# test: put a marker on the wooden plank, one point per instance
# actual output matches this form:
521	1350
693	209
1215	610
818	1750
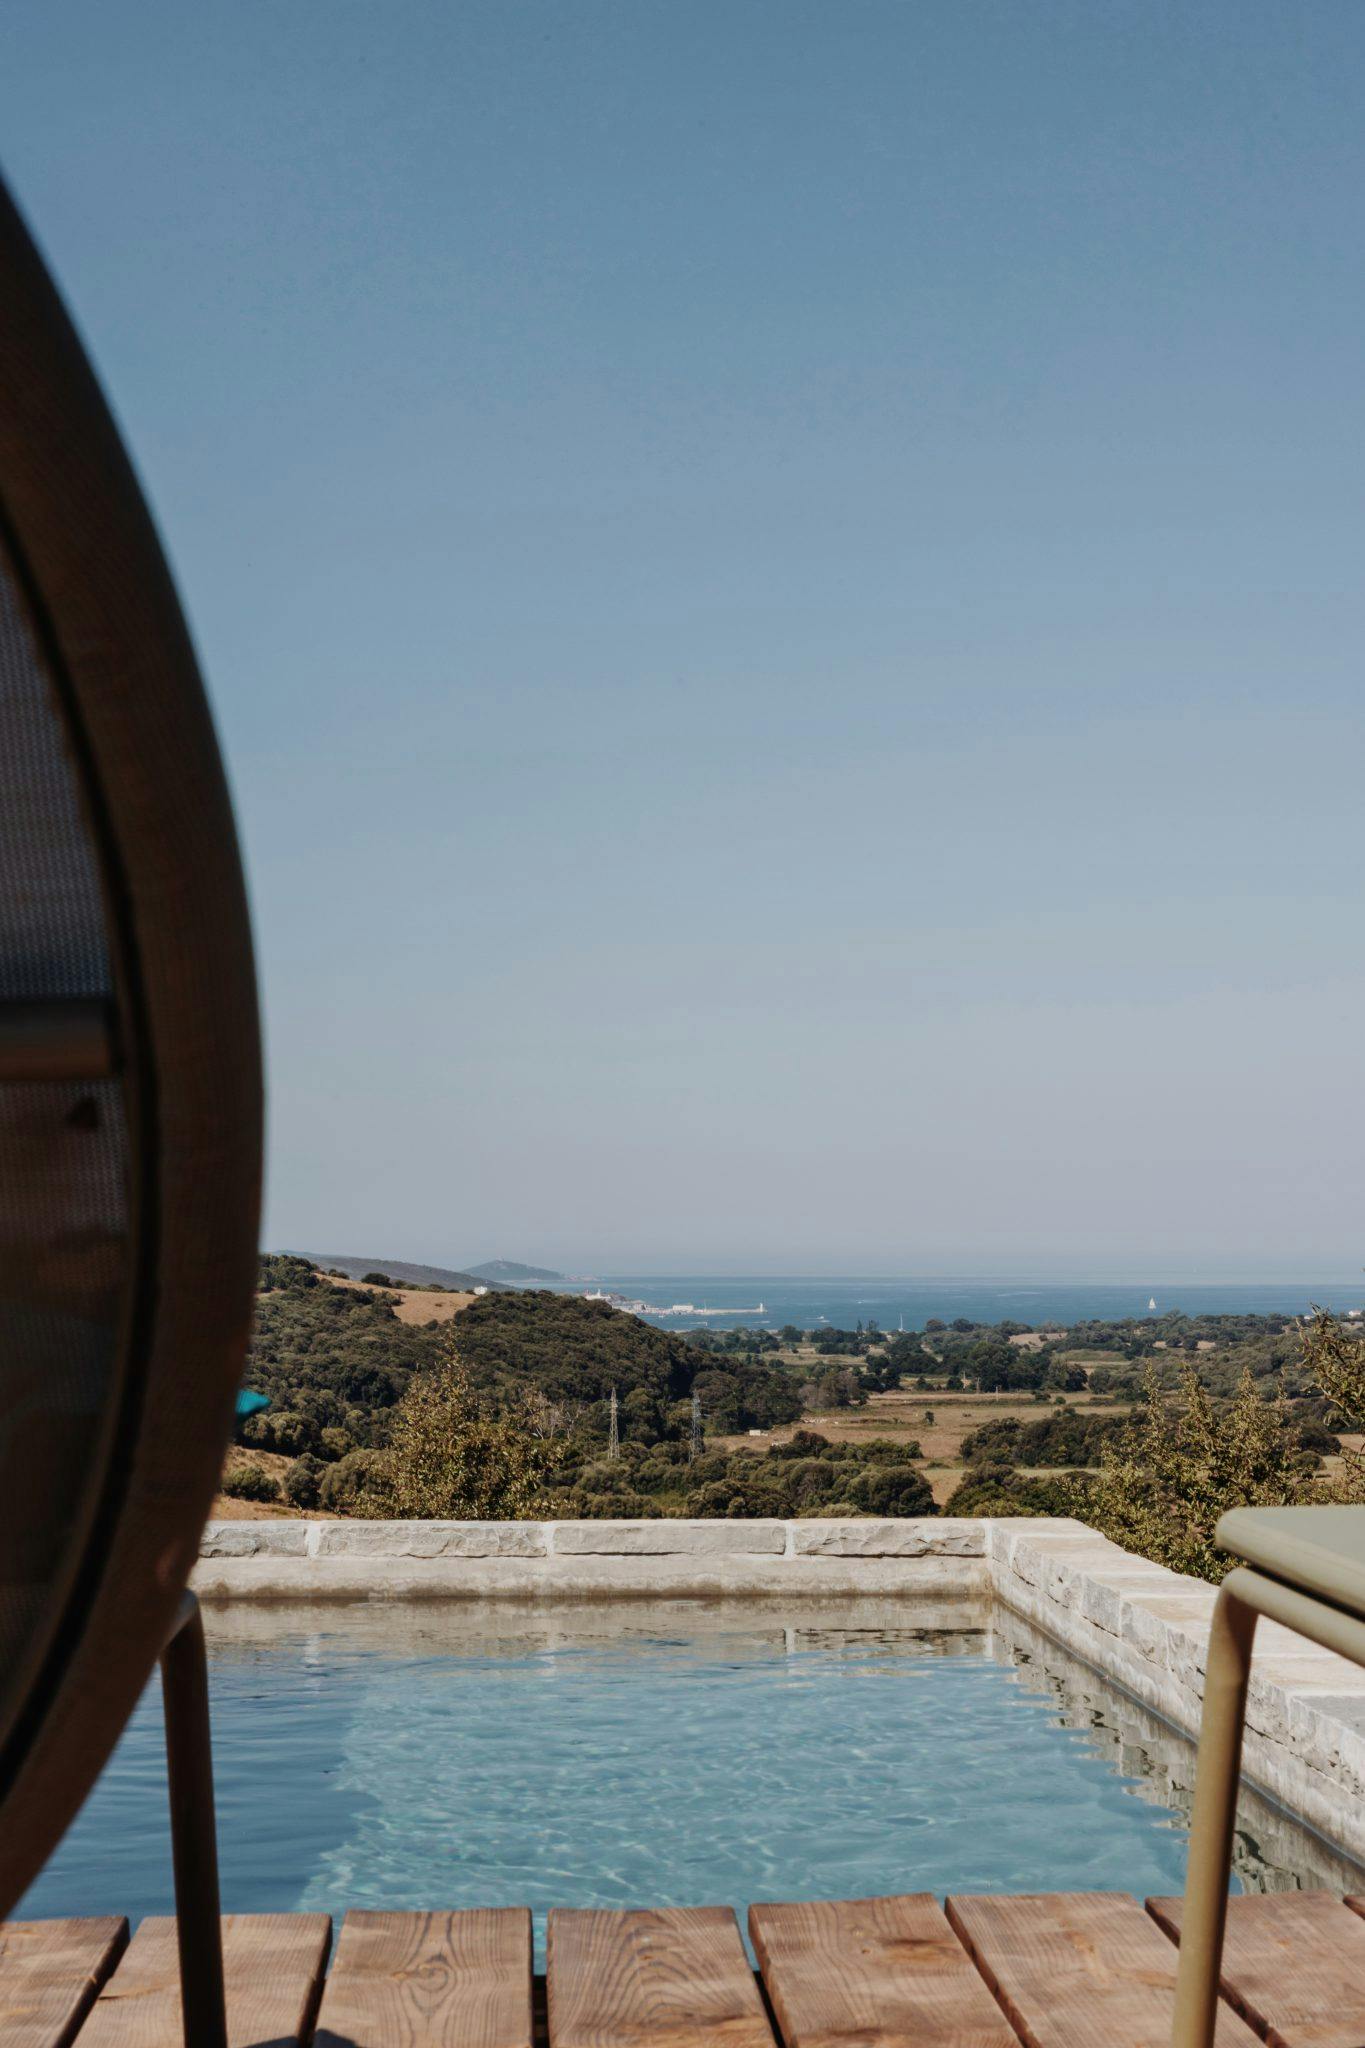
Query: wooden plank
272	1966
50	1972
652	1979
888	1973
430	1980
1293	1965
1073	1969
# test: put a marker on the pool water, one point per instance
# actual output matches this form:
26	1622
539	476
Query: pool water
711	1761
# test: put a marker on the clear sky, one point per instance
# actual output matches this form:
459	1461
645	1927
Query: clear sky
782	588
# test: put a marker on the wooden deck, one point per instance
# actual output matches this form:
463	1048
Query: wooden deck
1058	1970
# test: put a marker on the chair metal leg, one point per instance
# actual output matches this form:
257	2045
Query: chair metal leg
1217	1771
194	1833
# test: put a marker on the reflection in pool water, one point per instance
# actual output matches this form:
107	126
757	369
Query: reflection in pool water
675	1755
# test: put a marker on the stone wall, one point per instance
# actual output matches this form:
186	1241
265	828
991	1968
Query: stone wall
1141	1627
353	1560
1146	1629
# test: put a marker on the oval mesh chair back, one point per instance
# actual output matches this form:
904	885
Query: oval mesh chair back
129	1082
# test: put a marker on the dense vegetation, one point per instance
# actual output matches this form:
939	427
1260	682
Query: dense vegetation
806	1475
535	1402
338	1364
333	1360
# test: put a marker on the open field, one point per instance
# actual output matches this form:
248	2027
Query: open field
901	1416
415	1304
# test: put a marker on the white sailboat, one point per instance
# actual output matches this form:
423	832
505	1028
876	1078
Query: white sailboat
1151	1304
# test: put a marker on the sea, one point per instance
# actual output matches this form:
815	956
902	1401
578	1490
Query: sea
767	1301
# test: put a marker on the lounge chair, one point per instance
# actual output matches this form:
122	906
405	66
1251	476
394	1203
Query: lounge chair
130	1122
1304	1568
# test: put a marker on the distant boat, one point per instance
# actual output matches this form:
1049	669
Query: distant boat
1151	1304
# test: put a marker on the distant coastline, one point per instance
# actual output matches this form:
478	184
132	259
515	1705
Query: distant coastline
843	1304
679	1301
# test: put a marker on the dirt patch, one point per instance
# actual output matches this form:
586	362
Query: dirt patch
415	1304
226	1508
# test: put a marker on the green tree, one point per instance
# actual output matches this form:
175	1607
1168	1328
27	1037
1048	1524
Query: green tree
892	1490
1333	1360
250	1482
1169	1474
302	1482
452	1457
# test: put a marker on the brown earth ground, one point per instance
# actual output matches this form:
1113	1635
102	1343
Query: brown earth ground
226	1509
415	1304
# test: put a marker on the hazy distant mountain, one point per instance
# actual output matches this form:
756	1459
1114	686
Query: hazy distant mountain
403	1271
507	1273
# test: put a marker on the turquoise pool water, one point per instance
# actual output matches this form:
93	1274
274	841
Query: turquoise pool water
700	1762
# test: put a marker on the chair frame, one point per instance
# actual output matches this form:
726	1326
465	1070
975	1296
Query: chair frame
194	1831
1243	1598
182	1035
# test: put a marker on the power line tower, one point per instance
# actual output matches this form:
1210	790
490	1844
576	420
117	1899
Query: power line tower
614	1435
694	1447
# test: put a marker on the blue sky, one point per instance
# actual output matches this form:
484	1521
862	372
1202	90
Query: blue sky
781	586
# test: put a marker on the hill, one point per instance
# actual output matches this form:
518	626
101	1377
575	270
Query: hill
508	1273
335	1358
974	1418
402	1271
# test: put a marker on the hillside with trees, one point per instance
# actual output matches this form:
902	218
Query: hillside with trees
337	1364
526	1401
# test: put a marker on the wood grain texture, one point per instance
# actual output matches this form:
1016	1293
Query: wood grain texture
1079	1969
874	1973
1293	1964
272	1964
666	1979
430	1980
50	1972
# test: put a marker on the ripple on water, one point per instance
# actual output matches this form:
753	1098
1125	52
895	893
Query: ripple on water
673	1770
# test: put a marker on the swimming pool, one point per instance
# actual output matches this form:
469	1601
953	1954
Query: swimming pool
675	1755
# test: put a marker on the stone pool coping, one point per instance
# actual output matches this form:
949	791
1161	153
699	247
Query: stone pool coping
1142	1627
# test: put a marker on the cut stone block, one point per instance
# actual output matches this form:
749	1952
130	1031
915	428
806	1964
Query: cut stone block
724	1538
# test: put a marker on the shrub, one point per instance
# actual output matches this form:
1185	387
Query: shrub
802	1443
1333	1358
605	1507
739	1495
375	1280
250	1482
303	1481
892	1490
451	1458
1178	1465
809	1481
286	1431
999	1490
343	1485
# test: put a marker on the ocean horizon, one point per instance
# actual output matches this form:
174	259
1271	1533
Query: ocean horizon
768	1300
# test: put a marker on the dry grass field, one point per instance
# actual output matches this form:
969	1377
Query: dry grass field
415	1304
902	1416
